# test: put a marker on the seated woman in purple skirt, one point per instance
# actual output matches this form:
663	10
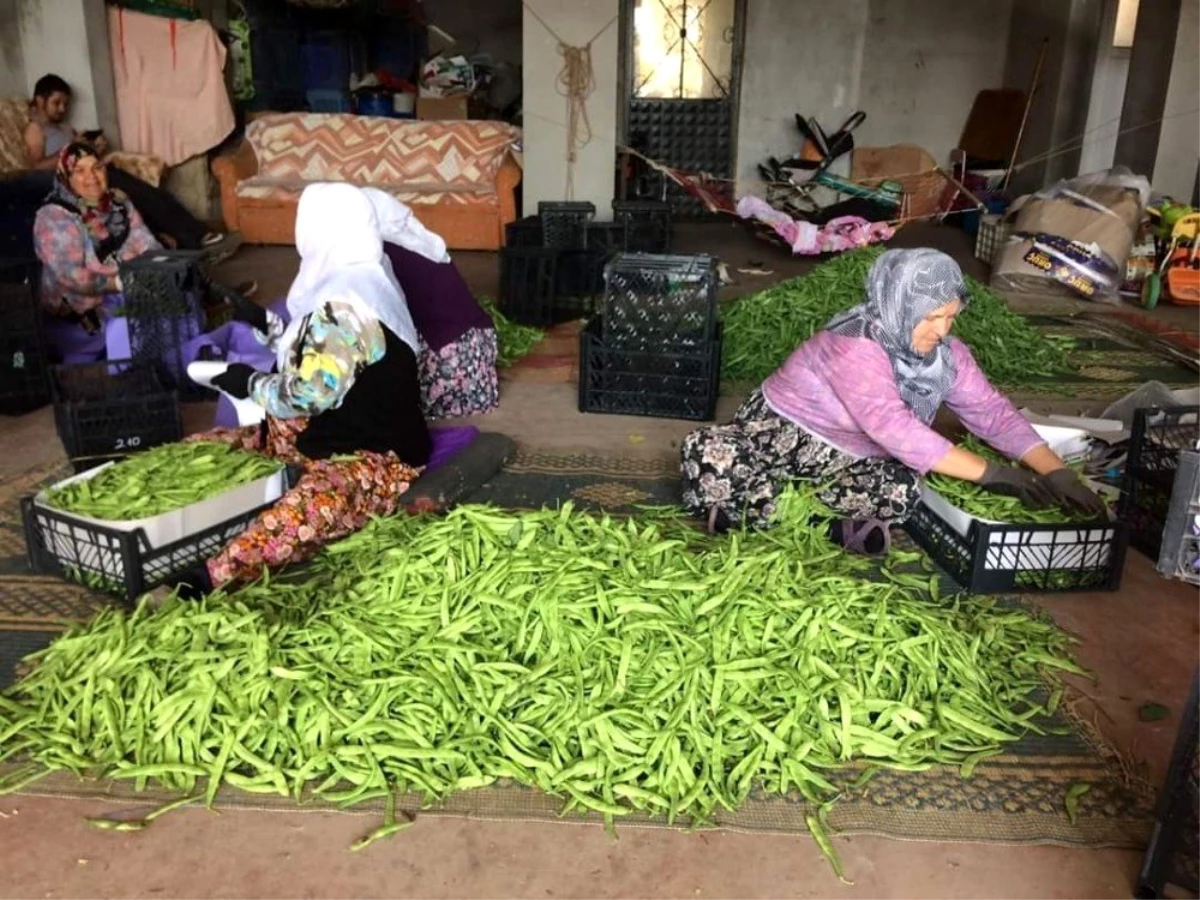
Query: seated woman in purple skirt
81	233
457	362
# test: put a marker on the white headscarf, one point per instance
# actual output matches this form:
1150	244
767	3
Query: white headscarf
398	225
341	258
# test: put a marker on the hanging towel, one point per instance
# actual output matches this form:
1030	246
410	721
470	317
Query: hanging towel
171	97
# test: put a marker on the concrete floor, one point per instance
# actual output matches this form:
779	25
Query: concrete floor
1141	643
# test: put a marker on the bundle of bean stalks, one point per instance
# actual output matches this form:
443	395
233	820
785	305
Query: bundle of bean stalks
161	479
974	500
514	341
620	665
762	330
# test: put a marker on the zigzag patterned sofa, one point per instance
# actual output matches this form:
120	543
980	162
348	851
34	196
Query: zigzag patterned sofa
459	177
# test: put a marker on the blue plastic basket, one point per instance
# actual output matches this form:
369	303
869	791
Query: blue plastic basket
327	101
373	103
326	60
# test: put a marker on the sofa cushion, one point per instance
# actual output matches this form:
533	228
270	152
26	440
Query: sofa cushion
370	150
14	116
288	190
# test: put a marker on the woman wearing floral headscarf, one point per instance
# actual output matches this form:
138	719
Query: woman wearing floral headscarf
81	233
851	409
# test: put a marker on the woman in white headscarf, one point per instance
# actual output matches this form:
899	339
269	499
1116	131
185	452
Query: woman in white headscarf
851	411
344	402
457	358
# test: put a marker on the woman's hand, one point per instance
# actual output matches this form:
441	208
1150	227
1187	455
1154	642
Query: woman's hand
1069	492
1011	481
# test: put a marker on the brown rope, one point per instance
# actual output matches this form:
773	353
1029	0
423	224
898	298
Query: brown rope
576	81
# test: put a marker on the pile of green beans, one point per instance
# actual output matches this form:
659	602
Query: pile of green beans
618	664
161	479
976	501
763	329
513	341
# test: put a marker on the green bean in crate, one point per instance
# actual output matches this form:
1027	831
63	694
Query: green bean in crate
165	478
983	504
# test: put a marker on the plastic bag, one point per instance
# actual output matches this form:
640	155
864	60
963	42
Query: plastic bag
1073	237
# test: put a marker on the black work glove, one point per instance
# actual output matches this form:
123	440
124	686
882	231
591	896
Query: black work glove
1069	492
1012	481
235	381
247	311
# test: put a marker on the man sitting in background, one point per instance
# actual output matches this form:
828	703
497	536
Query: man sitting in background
48	132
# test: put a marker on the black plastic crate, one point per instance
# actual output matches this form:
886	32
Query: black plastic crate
526	232
996	558
162	311
528	284
1180	553
24	375
654	300
1158	437
108	410
647	225
120	563
1171	858
676	384
565	224
608	237
580	273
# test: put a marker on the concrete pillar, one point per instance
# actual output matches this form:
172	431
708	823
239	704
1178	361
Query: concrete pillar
1146	86
546	111
1050	148
1176	162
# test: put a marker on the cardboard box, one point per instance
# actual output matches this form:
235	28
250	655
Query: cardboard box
443	108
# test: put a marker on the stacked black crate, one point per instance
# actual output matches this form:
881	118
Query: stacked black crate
24	382
161	313
655	348
105	411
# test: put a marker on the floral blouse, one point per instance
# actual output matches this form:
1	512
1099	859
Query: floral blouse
71	273
336	342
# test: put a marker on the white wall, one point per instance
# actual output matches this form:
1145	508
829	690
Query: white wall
914	67
801	56
1108	95
1179	139
69	38
923	64
545	109
12	65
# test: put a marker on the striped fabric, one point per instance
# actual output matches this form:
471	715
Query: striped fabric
426	157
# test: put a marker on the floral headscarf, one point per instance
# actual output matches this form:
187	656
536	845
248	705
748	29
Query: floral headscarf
106	219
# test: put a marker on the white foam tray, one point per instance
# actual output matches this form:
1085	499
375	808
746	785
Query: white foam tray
170	526
1070	546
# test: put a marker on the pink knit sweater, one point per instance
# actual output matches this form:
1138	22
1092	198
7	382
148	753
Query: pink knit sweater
842	390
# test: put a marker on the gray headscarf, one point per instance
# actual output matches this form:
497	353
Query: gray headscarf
903	287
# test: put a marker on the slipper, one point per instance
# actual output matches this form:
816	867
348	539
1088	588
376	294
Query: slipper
854	535
718	521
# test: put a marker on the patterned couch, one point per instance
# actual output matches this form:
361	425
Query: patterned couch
459	177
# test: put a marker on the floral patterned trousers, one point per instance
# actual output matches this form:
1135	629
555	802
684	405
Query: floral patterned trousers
333	498
460	379
743	467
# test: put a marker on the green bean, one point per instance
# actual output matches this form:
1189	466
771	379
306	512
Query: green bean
620	665
161	479
513	341
761	330
976	501
1071	801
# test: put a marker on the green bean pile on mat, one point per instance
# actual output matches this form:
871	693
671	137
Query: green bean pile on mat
161	479
763	329
620	665
975	501
513	341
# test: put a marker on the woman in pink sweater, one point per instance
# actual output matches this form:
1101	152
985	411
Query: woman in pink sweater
851	410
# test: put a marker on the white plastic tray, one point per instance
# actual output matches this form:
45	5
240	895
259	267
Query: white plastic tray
1070	546
173	525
